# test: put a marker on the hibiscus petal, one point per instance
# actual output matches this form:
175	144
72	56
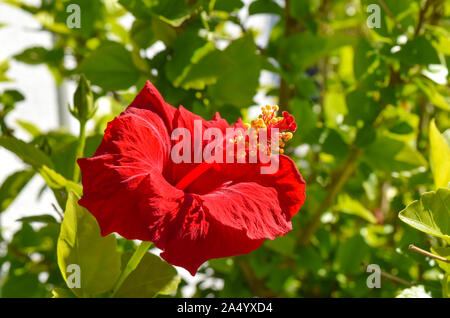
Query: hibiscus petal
126	172
235	217
149	98
193	235
183	118
228	209
287	181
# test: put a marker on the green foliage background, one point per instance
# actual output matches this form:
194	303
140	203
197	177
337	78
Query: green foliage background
373	137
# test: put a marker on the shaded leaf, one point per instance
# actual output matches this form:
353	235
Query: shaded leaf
390	154
110	67
12	186
44	218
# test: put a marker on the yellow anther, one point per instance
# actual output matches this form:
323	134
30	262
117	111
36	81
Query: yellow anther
287	136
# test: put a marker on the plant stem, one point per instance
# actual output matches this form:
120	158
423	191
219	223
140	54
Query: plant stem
397	24
256	285
421	21
338	181
80	150
132	264
393	278
423	252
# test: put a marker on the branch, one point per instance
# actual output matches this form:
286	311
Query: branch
393	278
256	285
422	13
385	8
423	252
338	181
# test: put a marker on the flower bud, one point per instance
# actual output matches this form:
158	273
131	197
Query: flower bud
83	101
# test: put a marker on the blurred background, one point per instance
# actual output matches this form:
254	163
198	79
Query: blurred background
363	78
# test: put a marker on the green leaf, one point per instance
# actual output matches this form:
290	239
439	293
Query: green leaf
264	6
10	97
239	77
30	128
4	66
334	107
38	55
350	255
430	90
12	186
110	67
189	49
418	51
27	152
228	5
301	9
430	214
56	181
368	66
40	162
232	74
173	12
303	110
284	245
440	157
390	154
446	286
361	107
348	205
152	277
21	285
303	50
445	253
62	293
334	144
142	34
80	242
43	218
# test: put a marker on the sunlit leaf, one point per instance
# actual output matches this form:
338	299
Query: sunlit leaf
152	276
80	242
440	157
348	205
430	214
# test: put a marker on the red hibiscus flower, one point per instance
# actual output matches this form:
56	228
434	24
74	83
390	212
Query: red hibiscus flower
192	212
